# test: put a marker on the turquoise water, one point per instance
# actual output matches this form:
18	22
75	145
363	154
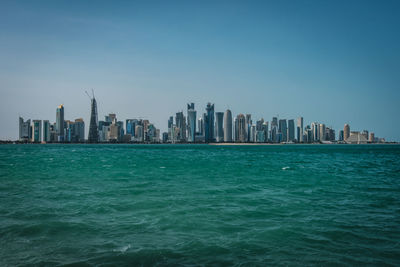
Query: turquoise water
199	205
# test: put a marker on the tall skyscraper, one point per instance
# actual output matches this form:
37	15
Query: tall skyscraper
209	123
300	129
191	113
46	131
201	125
241	128
341	135
228	126
25	132
180	122
219	129
79	133
94	125
36	131
322	132
248	125
283	130
315	131
290	130
346	132
60	123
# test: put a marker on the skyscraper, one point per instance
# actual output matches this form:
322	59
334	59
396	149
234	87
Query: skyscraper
300	129
46	131
322	132
291	130
219	129
191	113
209	123
283	130
346	132
241	128
228	126
60	123
36	131
248	125
93	126
25	133
79	131
180	122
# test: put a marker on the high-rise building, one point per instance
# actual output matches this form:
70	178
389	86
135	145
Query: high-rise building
365	134
209	124
346	132
139	133
180	122
228	126
283	130
219	128
46	131
315	131
341	135
265	130
300	129
94	125
241	128
25	132
60	123
291	131
201	125
79	131
322	132
36	131
191	125
248	125
371	138
274	129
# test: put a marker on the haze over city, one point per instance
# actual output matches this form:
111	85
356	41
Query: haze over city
327	62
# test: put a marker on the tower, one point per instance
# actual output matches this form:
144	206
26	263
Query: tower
93	126
228	126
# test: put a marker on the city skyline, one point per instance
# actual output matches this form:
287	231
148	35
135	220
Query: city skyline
213	127
331	62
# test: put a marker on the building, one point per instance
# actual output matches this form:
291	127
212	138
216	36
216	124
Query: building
209	123
300	129
79	131
241	128
228	126
329	134
25	132
371	138
365	134
248	126
282	130
322	132
180	122
290	133
219	128
46	131
60	123
191	125
37	131
138	133
341	135
356	138
93	136
200	124
315	131
346	132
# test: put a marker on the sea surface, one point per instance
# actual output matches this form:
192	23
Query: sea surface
178	205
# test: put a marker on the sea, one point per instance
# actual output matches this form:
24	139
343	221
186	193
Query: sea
199	205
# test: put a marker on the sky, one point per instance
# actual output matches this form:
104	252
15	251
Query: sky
331	62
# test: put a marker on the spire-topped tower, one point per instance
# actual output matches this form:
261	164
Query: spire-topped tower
94	125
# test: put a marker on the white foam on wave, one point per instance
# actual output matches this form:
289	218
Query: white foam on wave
162	167
285	168
122	249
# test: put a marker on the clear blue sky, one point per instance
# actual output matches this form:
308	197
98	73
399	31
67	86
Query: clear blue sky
334	62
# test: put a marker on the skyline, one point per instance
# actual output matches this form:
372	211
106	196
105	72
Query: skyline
335	63
213	127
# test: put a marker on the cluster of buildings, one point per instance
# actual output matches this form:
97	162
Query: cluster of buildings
62	130
218	127
210	127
